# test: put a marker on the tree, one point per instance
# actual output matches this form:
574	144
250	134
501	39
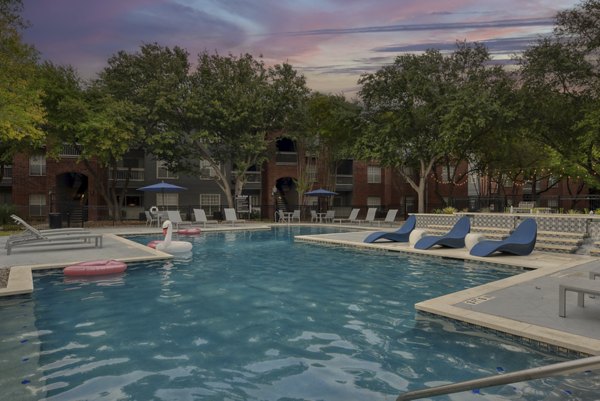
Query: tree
424	107
137	102
561	82
21	112
234	103
324	131
96	123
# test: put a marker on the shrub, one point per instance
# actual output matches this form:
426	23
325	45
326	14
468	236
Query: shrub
449	210
5	211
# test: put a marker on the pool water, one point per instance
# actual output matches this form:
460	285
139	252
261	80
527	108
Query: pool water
257	316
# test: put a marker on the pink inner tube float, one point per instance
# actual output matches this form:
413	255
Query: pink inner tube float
95	268
189	231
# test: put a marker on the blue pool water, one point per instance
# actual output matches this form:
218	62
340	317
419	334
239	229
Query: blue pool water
257	316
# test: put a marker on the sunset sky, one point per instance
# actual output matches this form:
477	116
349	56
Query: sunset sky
332	42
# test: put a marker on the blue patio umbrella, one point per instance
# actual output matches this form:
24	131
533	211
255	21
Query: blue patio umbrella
162	187
321	193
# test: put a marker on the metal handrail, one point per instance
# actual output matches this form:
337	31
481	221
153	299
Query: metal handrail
508	378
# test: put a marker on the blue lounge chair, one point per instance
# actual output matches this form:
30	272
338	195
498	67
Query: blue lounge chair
521	242
455	238
400	235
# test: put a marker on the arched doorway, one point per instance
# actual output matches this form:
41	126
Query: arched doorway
286	196
71	197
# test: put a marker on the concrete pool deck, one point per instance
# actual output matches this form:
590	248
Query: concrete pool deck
524	305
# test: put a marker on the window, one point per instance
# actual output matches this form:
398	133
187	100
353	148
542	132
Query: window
448	173
374	175
163	172
311	172
37	205
210	200
373	201
207	171
168	200
210	203
37	165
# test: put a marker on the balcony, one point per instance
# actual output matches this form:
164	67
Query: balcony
286	158
135	174
69	151
253	179
343	182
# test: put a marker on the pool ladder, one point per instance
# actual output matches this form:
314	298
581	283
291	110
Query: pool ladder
568	367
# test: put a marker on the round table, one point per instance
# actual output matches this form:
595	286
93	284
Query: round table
416	235
473	238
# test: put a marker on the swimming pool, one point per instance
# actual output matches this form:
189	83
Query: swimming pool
253	315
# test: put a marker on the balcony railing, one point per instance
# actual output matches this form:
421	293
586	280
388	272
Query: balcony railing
69	150
344	182
135	174
286	158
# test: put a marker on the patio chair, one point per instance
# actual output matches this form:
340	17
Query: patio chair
200	217
65	236
455	238
281	217
329	216
521	242
351	218
150	219
296	215
175	218
314	217
231	216
390	217
370	216
400	235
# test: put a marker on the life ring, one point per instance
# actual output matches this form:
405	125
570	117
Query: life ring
189	231
95	268
154	210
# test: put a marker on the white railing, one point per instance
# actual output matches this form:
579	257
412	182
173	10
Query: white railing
69	150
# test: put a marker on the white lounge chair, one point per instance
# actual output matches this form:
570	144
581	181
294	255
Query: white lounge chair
175	218
370	216
231	216
390	217
65	236
329	216
351	218
200	217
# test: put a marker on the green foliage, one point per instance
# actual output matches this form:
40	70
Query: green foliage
233	103
449	210
427	106
5	211
21	112
562	89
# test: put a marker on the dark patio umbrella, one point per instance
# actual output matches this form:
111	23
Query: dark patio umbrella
321	193
162	187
